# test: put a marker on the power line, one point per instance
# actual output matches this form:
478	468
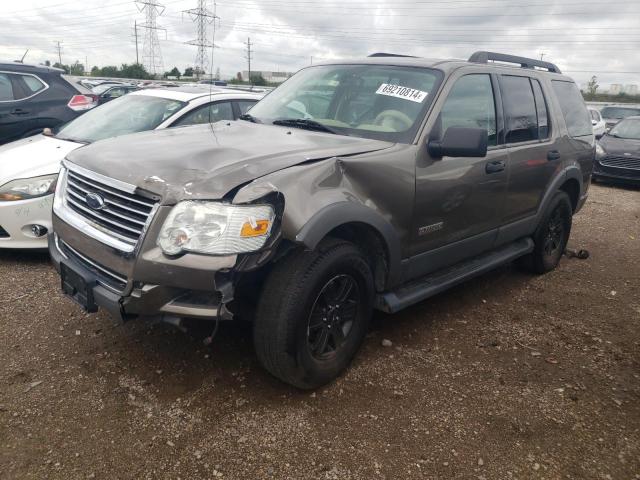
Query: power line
202	16
248	56
59	49
151	53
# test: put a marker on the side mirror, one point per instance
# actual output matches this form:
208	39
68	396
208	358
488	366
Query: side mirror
460	142
47	132
599	136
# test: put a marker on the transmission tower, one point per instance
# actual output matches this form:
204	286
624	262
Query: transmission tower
202	17
151	54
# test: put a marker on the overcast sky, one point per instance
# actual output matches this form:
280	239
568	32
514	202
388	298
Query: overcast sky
584	38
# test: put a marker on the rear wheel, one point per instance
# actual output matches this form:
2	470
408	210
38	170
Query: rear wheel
313	314
552	236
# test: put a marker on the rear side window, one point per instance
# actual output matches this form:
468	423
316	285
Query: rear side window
471	104
595	116
573	108
33	84
520	109
541	108
6	90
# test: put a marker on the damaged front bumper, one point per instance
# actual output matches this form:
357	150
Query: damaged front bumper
93	286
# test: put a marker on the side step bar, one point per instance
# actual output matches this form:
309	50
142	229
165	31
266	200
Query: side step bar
422	288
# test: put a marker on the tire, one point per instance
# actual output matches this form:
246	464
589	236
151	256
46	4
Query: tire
551	236
293	321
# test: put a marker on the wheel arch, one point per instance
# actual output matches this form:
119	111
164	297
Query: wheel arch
362	226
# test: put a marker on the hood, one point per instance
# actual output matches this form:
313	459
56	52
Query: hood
620	146
207	161
33	157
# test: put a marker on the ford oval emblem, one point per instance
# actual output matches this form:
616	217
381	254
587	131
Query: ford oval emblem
94	201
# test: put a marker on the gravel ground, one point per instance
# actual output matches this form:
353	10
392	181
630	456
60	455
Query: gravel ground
507	376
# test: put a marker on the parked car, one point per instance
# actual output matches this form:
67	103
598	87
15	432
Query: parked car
108	92
90	83
33	97
618	153
613	115
29	167
352	186
599	125
219	83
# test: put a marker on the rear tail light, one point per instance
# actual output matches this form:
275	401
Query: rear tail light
79	103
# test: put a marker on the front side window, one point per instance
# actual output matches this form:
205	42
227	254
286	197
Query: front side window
573	108
373	101
471	104
245	105
214	112
124	115
521	116
6	89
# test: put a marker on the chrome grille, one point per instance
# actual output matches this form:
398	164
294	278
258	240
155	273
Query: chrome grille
619	161
107	277
123	215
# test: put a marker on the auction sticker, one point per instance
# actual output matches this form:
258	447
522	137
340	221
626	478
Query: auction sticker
399	91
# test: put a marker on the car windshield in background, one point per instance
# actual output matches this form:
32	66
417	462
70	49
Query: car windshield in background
629	129
372	101
128	114
98	89
619	112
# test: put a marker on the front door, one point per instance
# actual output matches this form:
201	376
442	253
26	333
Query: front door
461	198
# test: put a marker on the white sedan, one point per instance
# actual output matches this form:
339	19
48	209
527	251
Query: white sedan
29	167
598	123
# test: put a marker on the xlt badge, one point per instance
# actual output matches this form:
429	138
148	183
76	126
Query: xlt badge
430	228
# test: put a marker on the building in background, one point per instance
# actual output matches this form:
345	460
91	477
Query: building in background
630	89
271	77
615	89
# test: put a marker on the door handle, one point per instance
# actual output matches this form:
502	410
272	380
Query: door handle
495	167
553	155
19	111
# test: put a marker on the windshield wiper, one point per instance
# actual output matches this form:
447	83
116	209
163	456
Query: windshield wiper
249	118
305	123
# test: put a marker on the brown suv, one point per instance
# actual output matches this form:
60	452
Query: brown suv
355	185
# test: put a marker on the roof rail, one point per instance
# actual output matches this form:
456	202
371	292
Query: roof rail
382	54
524	62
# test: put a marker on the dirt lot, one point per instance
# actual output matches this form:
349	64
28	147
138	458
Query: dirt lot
507	376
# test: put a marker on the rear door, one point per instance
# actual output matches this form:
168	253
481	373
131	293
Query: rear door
533	143
16	113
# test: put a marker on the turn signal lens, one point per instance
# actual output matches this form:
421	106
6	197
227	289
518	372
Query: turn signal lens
259	227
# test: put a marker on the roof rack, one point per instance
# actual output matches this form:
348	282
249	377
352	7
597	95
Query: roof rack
524	62
382	54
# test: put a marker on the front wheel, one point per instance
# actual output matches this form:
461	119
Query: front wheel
552	236
314	313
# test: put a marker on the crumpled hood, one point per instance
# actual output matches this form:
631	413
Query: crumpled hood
33	157
620	146
207	161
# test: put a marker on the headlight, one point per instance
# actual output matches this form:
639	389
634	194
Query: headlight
215	228
26	188
600	153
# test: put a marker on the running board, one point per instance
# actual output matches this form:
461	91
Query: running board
422	288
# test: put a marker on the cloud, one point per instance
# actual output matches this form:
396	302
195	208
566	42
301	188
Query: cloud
582	37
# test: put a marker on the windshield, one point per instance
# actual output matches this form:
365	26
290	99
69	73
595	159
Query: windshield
128	114
372	101
629	129
619	112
